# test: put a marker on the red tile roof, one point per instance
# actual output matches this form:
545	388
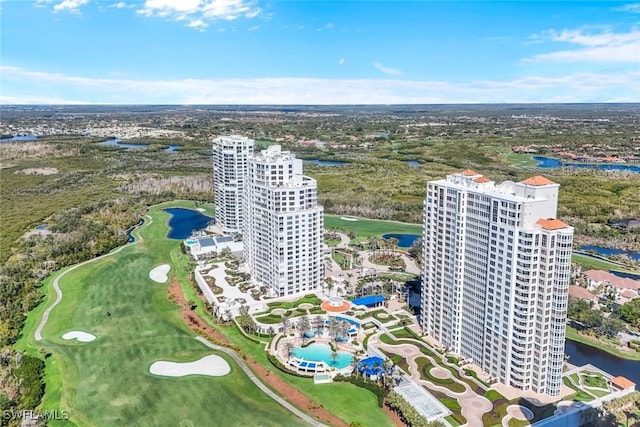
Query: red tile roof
629	294
538	181
612	279
580	293
623	382
469	172
551	224
481	179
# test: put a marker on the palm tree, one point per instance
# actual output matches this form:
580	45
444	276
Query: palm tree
286	324
354	366
289	347
303	326
334	358
392	243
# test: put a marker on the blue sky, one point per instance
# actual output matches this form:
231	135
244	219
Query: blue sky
316	52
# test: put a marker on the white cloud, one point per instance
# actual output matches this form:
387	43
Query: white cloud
72	6
601	47
633	8
119	5
329	26
341	62
196	11
198	24
576	87
387	70
254	28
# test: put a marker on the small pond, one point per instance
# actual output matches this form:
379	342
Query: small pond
16	138
548	162
414	163
326	162
404	240
115	142
183	222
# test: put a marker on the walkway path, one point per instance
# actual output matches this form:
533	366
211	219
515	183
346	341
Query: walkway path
473	406
259	383
56	286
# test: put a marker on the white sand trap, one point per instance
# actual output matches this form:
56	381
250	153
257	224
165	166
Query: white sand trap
159	274
200	209
344	218
79	335
212	365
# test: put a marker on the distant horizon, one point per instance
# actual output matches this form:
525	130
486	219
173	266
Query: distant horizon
256	52
542	103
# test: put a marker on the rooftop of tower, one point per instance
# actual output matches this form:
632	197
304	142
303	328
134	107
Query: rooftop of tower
551	224
538	181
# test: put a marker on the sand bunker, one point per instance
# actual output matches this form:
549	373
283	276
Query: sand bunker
212	365
344	218
79	335
159	274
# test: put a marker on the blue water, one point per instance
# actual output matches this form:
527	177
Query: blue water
547	162
183	222
353	322
319	352
611	251
625	275
172	148
404	240
130	231
19	138
326	162
369	300
414	163
42	227
581	354
117	143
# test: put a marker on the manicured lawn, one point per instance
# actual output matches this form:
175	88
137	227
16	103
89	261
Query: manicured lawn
597	264
593	379
349	402
107	381
572	334
369	227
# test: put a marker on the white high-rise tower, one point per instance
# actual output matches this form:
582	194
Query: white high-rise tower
495	277
283	224
230	160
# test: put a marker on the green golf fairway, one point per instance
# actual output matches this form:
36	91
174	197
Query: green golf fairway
107	382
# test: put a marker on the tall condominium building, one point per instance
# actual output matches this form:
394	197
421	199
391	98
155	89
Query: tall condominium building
283	224
230	160
495	277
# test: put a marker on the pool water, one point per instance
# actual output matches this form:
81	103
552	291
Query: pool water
322	353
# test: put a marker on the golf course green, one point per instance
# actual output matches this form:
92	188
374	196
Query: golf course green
370	227
106	382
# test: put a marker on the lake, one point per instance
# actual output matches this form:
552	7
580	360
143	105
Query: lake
19	138
172	148
414	163
183	222
115	142
404	240
611	251
548	162
326	162
581	354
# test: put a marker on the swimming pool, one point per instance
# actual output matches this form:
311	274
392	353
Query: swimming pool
322	353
